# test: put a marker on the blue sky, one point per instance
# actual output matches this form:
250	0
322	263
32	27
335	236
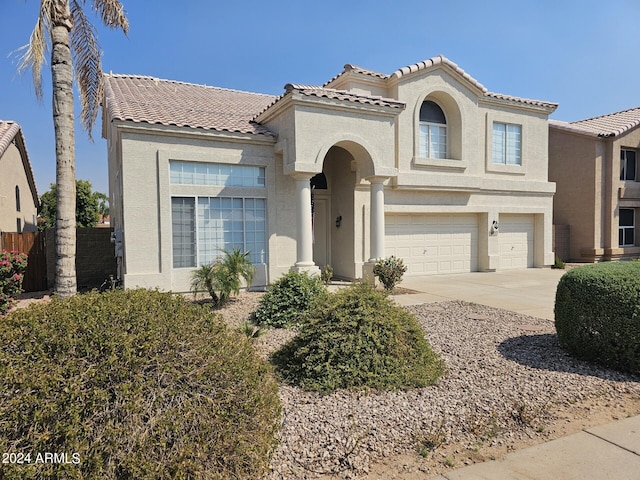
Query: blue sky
582	54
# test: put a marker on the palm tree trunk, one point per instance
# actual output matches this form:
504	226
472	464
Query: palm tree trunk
63	123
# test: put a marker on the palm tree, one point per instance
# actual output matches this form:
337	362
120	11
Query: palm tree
63	25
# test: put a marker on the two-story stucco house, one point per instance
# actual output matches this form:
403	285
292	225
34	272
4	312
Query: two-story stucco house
424	164
594	163
18	194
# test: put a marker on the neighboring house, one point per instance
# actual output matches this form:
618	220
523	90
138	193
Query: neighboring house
594	163
424	164
18	195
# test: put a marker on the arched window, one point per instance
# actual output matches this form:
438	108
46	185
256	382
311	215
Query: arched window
433	131
17	198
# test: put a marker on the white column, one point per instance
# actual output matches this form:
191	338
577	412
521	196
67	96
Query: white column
377	218
304	234
376	229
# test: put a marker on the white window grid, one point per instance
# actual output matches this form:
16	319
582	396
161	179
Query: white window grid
224	223
628	165
216	174
507	143
626	229
433	140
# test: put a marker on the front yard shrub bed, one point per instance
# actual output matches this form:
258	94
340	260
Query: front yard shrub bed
139	384
597	314
358	338
289	298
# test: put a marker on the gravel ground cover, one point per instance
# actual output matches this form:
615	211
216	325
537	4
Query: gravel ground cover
507	380
506	376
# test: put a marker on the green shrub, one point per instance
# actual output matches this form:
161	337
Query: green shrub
327	274
597	314
558	264
287	299
389	271
223	277
358	338
139	384
12	267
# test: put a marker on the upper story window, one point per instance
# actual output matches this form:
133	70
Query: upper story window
216	174
627	164
507	144
17	198
433	131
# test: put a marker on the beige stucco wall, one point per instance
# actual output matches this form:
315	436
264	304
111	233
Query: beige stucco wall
573	163
379	141
590	192
13	174
146	195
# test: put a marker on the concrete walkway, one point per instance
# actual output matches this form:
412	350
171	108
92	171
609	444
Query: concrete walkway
531	291
607	452
601	453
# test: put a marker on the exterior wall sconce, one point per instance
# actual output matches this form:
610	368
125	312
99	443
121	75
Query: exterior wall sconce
494	227
338	221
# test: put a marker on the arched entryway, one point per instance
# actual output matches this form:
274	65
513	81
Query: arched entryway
333	213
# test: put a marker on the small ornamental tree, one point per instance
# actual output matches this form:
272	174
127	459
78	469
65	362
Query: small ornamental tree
389	271
12	267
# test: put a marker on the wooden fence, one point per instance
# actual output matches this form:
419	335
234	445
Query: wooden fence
33	244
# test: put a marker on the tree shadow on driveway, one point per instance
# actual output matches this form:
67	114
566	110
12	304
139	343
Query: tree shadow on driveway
543	352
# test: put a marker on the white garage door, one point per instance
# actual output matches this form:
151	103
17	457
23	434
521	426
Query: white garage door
516	241
433	244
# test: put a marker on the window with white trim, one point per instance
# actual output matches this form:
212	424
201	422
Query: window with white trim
204	226
433	131
627	164
626	228
507	144
216	174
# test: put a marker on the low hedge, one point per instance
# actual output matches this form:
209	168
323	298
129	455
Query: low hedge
289	298
133	384
597	314
358	338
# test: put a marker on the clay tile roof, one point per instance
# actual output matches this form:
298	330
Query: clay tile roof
359	70
528	101
321	92
10	131
440	59
610	125
151	100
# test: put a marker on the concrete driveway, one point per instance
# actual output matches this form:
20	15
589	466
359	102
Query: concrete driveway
531	291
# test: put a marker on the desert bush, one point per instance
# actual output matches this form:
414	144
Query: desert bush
358	338
327	274
597	314
12	268
389	271
558	264
223	278
287	299
139	384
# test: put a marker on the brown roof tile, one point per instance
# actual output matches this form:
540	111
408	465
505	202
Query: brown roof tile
151	100
321	92
610	125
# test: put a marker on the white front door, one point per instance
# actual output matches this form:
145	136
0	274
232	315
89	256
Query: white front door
321	232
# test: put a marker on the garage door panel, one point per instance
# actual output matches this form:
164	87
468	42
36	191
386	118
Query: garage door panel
516	241
438	243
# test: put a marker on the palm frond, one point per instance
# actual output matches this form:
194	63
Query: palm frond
111	13
38	46
87	65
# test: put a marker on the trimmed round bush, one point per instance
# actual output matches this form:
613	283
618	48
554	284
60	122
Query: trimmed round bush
288	299
136	384
597	314
358	338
